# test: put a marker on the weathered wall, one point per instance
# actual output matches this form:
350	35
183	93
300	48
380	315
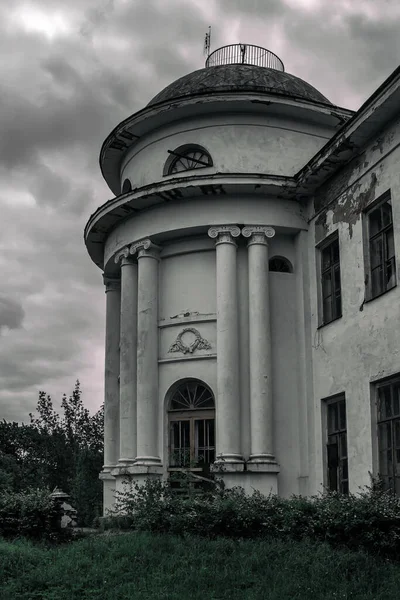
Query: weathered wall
363	345
237	143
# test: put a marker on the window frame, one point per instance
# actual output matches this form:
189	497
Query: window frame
321	248
392	420
185	149
340	434
381	234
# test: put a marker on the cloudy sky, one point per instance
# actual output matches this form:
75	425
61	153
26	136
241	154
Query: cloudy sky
71	71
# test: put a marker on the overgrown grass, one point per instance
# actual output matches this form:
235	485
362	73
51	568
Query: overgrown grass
154	567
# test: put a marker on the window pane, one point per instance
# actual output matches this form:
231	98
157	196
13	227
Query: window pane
396	398
337	279
327	310
390	276
343	445
383	402
333	454
335	251
376	252
389	243
397	434
342	410
375	221
383	467
377	281
386	213
326	284
345	487
338	306
385	436
332	417
345	474
326	258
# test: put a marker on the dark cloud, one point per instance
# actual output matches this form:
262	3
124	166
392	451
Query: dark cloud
60	96
11	313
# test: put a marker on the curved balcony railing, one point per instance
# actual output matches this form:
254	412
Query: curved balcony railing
244	54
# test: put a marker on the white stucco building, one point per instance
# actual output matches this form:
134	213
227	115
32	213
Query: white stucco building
249	259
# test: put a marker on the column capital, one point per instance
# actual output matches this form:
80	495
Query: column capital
112	283
123	257
224	233
258	234
144	248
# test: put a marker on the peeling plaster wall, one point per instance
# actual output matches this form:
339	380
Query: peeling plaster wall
237	143
363	345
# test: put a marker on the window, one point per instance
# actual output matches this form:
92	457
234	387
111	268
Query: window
280	265
191	427
388	405
382	262
336	447
187	158
127	186
331	294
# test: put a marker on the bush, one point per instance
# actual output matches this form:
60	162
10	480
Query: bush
32	514
369	521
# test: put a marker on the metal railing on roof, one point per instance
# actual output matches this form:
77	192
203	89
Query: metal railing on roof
245	54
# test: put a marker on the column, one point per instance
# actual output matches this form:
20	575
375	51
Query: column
111	386
261	405
228	399
147	353
128	349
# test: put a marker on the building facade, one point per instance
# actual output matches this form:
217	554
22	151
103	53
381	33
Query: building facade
249	262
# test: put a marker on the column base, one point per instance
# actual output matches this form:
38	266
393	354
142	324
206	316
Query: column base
109	487
262	462
125	462
148	461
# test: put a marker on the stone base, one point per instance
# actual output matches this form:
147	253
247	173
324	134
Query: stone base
125	477
109	487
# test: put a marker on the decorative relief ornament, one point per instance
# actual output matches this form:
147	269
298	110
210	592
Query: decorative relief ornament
198	343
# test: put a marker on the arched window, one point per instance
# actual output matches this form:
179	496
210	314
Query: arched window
187	158
127	186
191	419
280	264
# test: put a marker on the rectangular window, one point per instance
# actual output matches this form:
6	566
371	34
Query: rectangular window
388	404
382	261
336	447
331	295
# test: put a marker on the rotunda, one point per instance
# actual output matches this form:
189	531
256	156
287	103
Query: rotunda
204	252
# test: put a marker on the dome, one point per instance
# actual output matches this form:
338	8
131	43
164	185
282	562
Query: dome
239	78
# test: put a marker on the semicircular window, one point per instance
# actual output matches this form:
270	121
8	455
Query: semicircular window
186	159
192	395
280	265
127	186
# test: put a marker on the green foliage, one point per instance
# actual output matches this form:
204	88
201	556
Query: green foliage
154	567
369	521
32	514
54	452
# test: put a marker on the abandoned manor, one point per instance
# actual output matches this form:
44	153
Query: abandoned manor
250	260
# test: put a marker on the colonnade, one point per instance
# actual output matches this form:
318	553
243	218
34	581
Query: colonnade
130	440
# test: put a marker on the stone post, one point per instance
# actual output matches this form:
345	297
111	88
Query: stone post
147	354
228	399
261	404
128	350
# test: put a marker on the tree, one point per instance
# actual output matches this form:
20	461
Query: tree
53	452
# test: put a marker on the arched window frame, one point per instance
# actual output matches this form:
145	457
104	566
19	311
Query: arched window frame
126	186
284	260
185	150
193	428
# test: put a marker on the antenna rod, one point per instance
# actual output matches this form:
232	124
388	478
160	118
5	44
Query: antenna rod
207	42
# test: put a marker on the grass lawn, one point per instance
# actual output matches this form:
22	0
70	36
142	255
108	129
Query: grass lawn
155	567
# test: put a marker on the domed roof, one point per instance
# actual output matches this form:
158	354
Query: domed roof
239	78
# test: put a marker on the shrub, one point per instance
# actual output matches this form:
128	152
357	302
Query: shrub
369	521
31	514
